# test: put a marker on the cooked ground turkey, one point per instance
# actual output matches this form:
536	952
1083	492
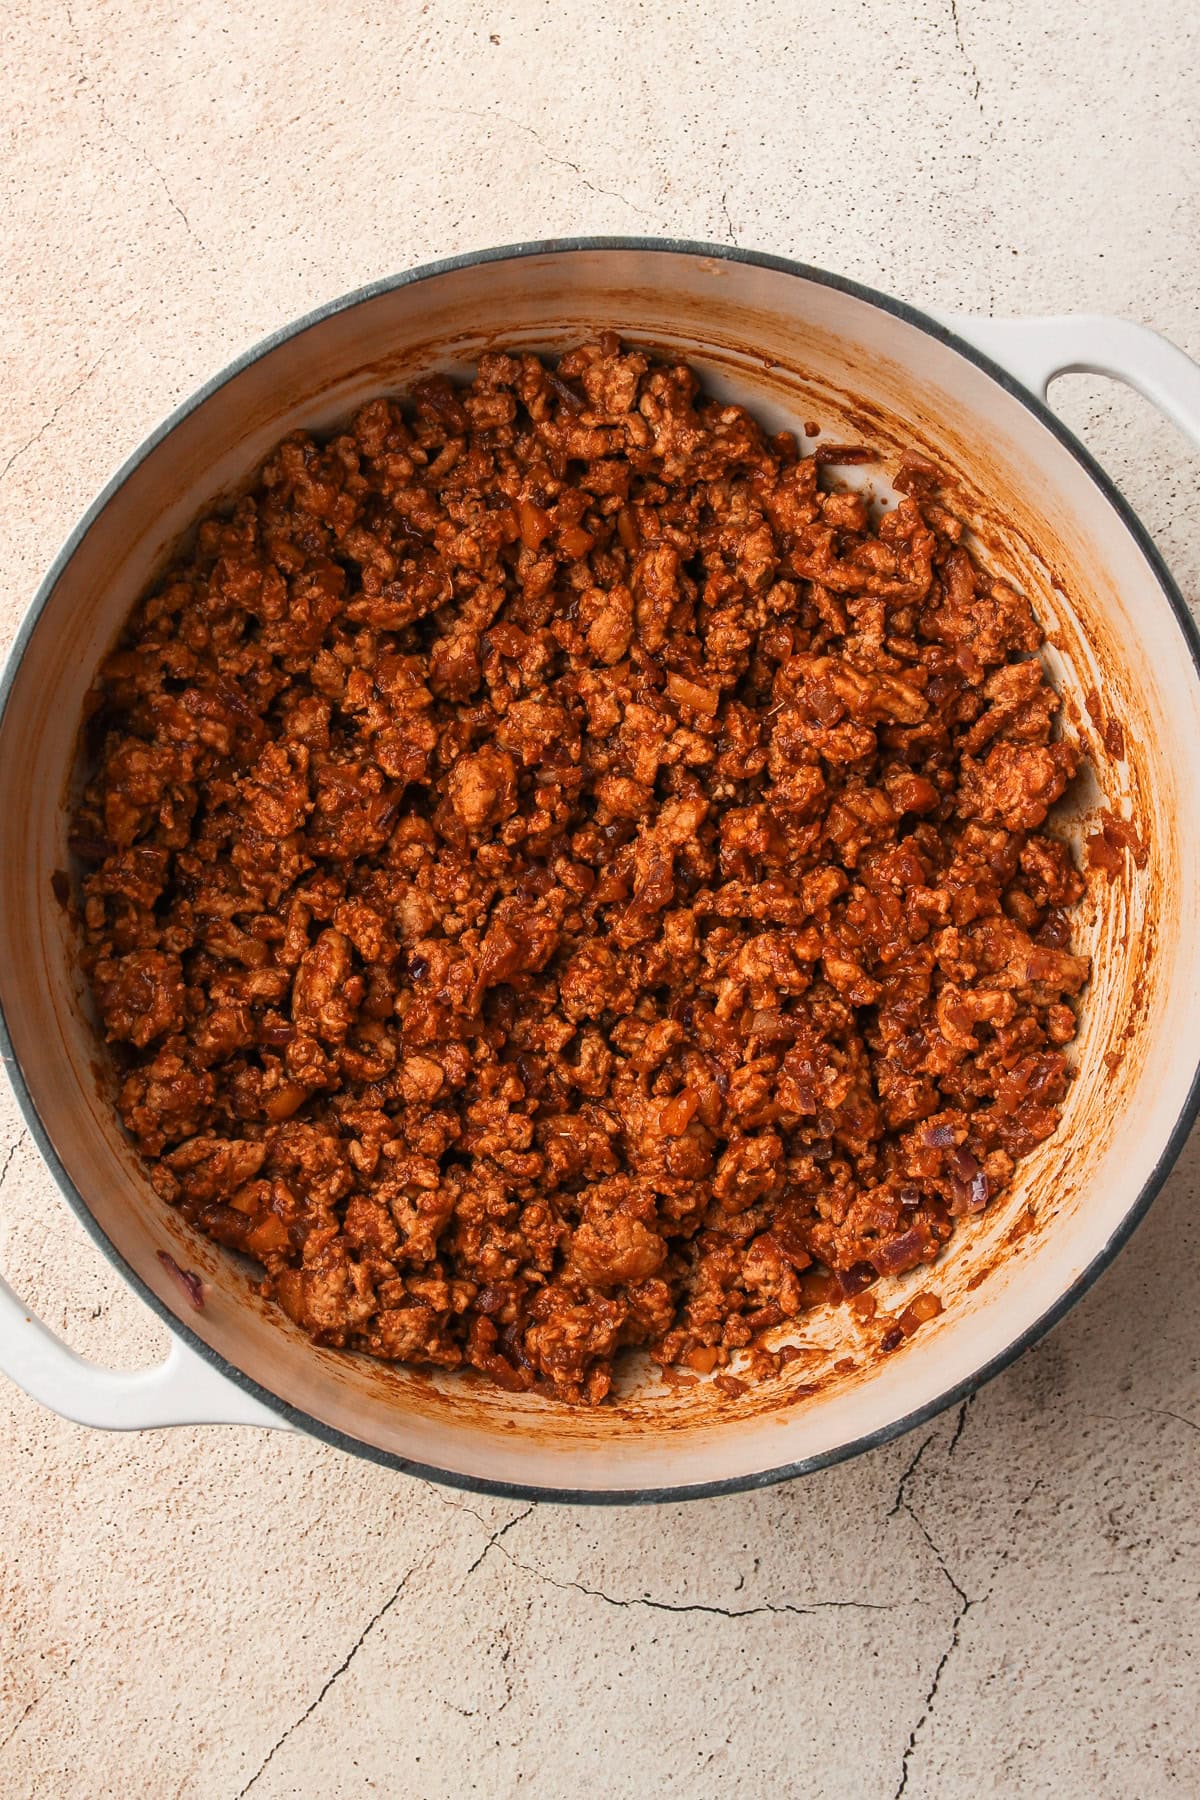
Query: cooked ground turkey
562	875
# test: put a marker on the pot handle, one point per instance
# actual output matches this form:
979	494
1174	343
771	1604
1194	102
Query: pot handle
1036	350
182	1390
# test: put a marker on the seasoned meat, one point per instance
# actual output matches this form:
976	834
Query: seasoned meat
563	876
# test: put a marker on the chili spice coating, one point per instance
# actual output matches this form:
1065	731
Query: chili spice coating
560	875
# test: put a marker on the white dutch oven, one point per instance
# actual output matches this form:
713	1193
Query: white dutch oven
795	345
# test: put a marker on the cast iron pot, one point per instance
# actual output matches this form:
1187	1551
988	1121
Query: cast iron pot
795	345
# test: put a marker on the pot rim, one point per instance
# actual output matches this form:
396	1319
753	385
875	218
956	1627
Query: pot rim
910	315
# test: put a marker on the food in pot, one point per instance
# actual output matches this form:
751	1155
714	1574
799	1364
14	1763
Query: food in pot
562	874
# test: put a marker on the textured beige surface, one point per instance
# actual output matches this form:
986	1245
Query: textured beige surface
1004	1603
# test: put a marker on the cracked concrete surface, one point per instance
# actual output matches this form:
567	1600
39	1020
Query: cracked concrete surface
972	72
965	1601
1006	1603
562	162
336	1675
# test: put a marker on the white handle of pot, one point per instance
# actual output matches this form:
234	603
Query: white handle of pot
182	1390
1036	350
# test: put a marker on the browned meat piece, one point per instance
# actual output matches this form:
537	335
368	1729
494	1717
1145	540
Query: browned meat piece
483	788
325	992
561	876
1017	785
141	996
614	1248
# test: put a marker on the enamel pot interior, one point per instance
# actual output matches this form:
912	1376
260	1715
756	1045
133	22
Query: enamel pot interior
794	347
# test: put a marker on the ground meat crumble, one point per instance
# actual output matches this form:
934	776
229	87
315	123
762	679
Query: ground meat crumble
559	875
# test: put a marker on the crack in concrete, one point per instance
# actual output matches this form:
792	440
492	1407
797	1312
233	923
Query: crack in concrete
730	233
34	1703
901	1499
462	1711
502	1531
930	1696
509	1684
16	1143
900	1503
965	1605
670	1606
963	1410
336	1676
937	1554
1161	1412
564	162
1150	1412
458	1506
109	123
972	71
475	1712
13	1729
42	429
